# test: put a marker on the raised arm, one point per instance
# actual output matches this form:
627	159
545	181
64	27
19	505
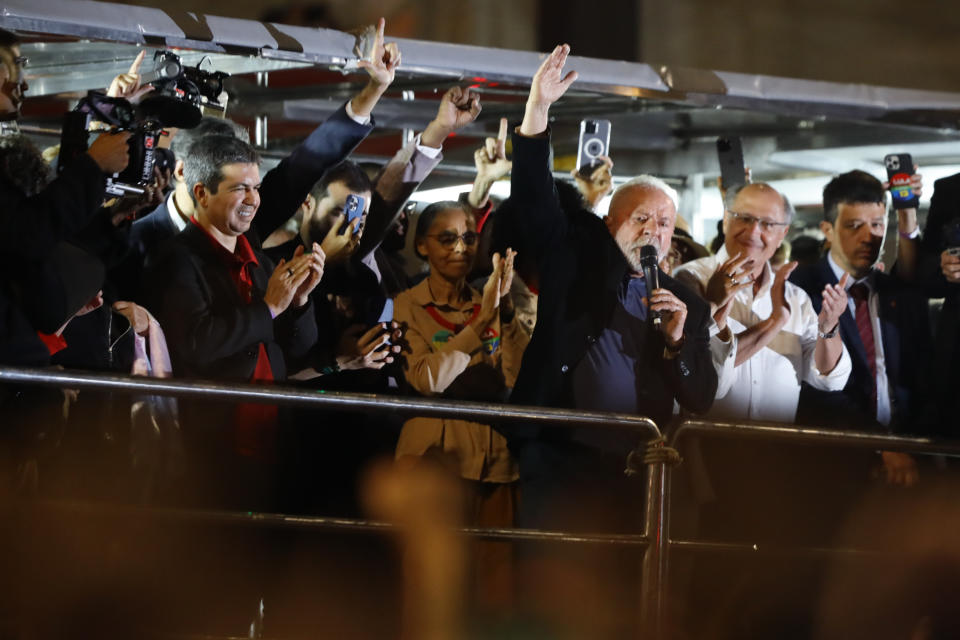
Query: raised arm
531	181
284	187
413	163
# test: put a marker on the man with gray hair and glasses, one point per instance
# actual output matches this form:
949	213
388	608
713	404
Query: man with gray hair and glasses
767	338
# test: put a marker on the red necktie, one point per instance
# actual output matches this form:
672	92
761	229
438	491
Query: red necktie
860	293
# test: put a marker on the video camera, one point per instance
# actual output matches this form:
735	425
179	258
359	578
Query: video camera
176	101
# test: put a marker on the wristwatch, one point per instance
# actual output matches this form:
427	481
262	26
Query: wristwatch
828	334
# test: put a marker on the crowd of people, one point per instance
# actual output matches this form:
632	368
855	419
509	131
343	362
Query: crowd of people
534	301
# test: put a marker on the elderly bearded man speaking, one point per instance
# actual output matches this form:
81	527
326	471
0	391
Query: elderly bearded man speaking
593	347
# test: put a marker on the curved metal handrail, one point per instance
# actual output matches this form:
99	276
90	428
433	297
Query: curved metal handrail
856	439
358	402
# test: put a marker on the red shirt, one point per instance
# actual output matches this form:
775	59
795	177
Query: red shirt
256	424
53	342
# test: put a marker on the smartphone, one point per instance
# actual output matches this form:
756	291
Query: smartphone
730	155
353	209
594	142
899	173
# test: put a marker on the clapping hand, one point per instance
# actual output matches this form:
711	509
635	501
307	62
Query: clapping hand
834	304
292	282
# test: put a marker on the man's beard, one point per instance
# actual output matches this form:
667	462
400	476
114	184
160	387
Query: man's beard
631	251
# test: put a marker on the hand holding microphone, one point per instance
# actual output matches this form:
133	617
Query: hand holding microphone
667	313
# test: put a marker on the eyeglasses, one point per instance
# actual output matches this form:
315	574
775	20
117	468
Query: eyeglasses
748	220
449	239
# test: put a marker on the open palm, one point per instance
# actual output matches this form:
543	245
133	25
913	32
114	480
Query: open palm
549	83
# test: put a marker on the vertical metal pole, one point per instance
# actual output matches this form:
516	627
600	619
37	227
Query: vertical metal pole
260	126
653	576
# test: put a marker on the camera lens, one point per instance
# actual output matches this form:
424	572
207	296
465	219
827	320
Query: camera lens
591	127
593	148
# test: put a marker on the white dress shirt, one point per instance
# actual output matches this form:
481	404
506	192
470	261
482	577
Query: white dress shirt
174	214
884	412
767	386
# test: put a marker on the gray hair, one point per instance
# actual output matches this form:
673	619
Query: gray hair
650	182
208	126
731	196
208	155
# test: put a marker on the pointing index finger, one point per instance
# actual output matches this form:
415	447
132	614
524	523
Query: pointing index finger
135	66
502	134
381	26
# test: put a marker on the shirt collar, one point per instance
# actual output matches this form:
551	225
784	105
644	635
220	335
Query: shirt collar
420	294
838	272
241	255
175	216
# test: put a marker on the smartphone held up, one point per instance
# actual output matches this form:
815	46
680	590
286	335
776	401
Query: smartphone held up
594	142
900	176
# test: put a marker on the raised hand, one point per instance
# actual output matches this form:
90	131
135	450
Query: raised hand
547	86
506	277
490	305
778	291
458	108
492	164
834	304
729	278
315	260
342	240
127	85
384	58
549	83
287	281
598	184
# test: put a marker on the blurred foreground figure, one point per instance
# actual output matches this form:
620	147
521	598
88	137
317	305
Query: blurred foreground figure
426	504
910	590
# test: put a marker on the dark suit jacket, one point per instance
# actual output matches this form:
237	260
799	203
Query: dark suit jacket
905	333
581	269
211	331
31	230
944	373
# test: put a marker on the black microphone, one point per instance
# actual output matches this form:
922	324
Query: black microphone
651	273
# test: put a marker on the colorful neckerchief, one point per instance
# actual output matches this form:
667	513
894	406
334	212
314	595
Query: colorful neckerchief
446	324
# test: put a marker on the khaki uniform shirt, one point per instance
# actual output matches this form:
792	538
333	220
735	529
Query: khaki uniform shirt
440	350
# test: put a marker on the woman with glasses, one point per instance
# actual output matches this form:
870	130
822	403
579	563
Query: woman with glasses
464	344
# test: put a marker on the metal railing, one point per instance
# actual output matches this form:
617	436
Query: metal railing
398	405
655	539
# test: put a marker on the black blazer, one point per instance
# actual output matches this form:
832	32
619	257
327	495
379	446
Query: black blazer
32	294
944	372
905	333
581	268
211	331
